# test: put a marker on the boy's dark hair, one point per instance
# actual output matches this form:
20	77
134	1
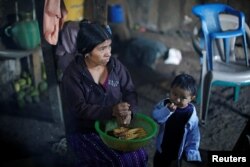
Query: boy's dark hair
90	35
186	82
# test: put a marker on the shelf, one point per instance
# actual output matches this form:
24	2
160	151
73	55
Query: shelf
36	69
16	54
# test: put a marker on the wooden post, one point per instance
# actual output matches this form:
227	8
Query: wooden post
96	10
36	66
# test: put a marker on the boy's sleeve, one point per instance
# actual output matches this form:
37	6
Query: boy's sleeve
192	143
160	113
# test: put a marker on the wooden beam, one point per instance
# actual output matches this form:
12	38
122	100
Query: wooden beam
100	11
89	9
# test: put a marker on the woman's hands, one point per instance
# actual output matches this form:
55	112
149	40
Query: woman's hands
122	113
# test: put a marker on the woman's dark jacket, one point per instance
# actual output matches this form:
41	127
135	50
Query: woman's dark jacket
84	101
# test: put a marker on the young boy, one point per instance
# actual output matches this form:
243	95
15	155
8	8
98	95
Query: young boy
179	132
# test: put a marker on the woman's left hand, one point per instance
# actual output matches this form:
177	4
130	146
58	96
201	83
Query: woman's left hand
122	113
127	120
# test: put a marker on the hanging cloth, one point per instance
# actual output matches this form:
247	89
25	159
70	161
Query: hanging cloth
53	18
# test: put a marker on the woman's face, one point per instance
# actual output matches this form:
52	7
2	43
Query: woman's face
100	55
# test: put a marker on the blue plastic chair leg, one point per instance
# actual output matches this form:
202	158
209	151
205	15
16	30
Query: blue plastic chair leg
236	93
245	48
198	98
227	49
205	97
209	53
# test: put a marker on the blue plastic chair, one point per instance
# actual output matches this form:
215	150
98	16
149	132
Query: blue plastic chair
212	30
221	72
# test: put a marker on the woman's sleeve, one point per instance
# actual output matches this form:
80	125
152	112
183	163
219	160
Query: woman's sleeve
128	91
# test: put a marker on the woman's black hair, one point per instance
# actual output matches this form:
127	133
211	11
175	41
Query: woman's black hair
186	82
90	35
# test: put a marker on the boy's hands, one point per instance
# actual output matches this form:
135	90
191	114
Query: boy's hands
172	106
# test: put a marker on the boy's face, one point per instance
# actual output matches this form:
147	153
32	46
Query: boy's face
180	97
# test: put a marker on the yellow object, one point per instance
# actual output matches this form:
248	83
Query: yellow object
17	87
44	74
75	10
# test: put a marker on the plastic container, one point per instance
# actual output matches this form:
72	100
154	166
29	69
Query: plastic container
139	120
25	34
115	13
75	10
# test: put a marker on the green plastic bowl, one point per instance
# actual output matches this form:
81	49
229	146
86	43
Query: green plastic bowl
139	120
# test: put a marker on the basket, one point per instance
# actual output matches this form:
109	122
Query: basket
139	120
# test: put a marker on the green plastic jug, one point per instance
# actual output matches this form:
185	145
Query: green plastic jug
25	34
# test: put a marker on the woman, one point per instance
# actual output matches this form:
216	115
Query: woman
96	86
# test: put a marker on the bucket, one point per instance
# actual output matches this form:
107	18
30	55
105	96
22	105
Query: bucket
115	13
